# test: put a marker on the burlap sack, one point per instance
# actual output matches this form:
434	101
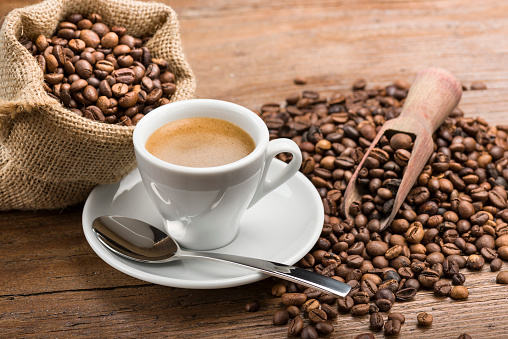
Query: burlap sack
51	158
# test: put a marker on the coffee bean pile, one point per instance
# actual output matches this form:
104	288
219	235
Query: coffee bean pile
455	216
102	73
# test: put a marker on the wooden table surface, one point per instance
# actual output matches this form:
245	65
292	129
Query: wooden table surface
249	51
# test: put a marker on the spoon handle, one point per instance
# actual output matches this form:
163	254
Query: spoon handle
286	272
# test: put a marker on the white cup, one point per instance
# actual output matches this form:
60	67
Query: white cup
202	207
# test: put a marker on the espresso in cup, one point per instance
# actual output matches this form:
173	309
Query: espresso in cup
200	142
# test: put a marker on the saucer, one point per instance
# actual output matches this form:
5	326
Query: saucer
282	227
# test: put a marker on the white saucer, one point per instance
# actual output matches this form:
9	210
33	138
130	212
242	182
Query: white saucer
282	227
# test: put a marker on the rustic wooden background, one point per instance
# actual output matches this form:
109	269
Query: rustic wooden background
53	285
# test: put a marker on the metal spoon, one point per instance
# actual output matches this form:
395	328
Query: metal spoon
136	240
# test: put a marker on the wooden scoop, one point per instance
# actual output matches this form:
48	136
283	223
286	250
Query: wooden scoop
433	95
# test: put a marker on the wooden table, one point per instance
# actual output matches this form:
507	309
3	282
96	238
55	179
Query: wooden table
53	285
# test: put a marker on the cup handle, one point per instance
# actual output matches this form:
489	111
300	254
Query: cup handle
275	147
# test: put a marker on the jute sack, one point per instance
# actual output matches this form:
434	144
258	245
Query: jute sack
51	158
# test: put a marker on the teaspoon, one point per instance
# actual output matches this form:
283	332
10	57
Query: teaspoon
138	241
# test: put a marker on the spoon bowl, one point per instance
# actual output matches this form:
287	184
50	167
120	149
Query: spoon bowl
138	241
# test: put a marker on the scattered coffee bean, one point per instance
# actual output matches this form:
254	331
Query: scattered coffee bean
365	336
293	299
496	264
478	85
464	336
454	217
398	316
317	315
458	279
331	311
296	326
376	321
252	306
280	317
293	311
278	290
424	319
392	327
502	277
459	292
360	309
300	81
324	328
309	332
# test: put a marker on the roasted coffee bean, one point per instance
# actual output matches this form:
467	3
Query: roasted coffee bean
280	317
296	326
361	297
278	290
59	54
401	141
124	76
293	311
475	262
360	309
442	288
252	306
41	42
488	254
450	268
345	304
309	305
331	312
90	38
309	332
428	277
97	113
384	305
502	277
152	71
53	78
365	336
459	292
90	93
369	287
324	328
128	100
312	293
458	279
317	315
397	316
424	319
502	252
294	299
376	321
392	327
154	96
496	264
406	294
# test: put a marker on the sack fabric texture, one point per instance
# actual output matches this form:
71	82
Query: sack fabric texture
51	158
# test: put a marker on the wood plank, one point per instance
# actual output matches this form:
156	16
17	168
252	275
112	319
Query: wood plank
249	52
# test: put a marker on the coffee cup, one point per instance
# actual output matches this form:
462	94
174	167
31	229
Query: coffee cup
202	206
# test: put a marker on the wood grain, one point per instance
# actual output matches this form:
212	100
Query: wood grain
249	52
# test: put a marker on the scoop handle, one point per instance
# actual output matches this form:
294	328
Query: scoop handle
434	93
